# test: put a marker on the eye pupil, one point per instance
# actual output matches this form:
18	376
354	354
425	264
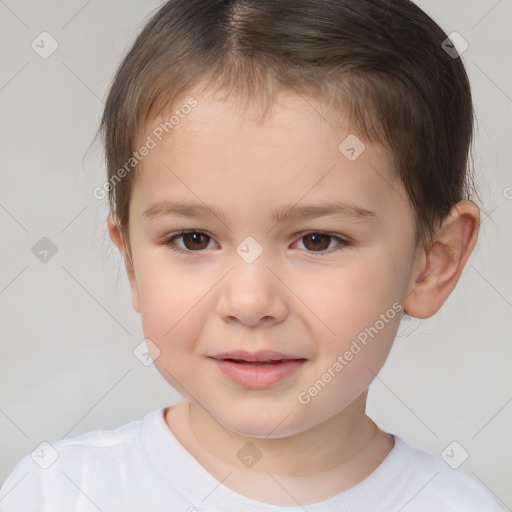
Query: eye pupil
317	241
194	238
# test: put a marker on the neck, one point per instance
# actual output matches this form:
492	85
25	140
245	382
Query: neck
342	442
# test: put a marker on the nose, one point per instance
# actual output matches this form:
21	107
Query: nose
253	294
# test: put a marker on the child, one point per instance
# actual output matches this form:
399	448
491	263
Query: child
258	130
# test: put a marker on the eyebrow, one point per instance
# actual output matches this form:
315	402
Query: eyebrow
345	211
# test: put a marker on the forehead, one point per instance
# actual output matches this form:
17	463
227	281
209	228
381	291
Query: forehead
226	156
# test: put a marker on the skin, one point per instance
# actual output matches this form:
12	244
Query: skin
290	299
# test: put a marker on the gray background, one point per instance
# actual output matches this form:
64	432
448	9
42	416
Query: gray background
67	327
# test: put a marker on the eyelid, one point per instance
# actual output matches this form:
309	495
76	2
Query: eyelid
345	238
344	241
168	240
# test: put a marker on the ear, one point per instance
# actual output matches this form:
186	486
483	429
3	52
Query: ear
438	269
117	238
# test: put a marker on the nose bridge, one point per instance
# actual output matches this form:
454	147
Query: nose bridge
251	291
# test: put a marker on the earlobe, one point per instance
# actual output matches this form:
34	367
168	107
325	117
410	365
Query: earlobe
442	265
117	239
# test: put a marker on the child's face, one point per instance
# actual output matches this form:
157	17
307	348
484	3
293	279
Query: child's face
306	297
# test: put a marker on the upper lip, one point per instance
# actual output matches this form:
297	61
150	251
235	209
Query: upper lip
261	355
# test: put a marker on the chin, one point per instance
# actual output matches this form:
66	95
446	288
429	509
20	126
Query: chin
270	425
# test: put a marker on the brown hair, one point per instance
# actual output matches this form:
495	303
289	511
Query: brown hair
381	62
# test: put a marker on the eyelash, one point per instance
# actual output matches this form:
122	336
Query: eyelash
343	243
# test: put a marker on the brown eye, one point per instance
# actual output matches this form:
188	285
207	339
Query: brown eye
317	242
195	240
320	243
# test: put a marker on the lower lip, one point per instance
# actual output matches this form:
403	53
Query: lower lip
258	376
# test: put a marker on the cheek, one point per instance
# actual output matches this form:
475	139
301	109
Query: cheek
172	306
361	307
172	319
354	297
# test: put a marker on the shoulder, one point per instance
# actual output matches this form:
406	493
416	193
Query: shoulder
435	484
53	472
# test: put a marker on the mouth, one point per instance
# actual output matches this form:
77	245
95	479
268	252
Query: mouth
261	356
258	363
257	370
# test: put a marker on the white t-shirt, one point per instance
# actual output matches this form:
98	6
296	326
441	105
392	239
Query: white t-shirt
142	467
